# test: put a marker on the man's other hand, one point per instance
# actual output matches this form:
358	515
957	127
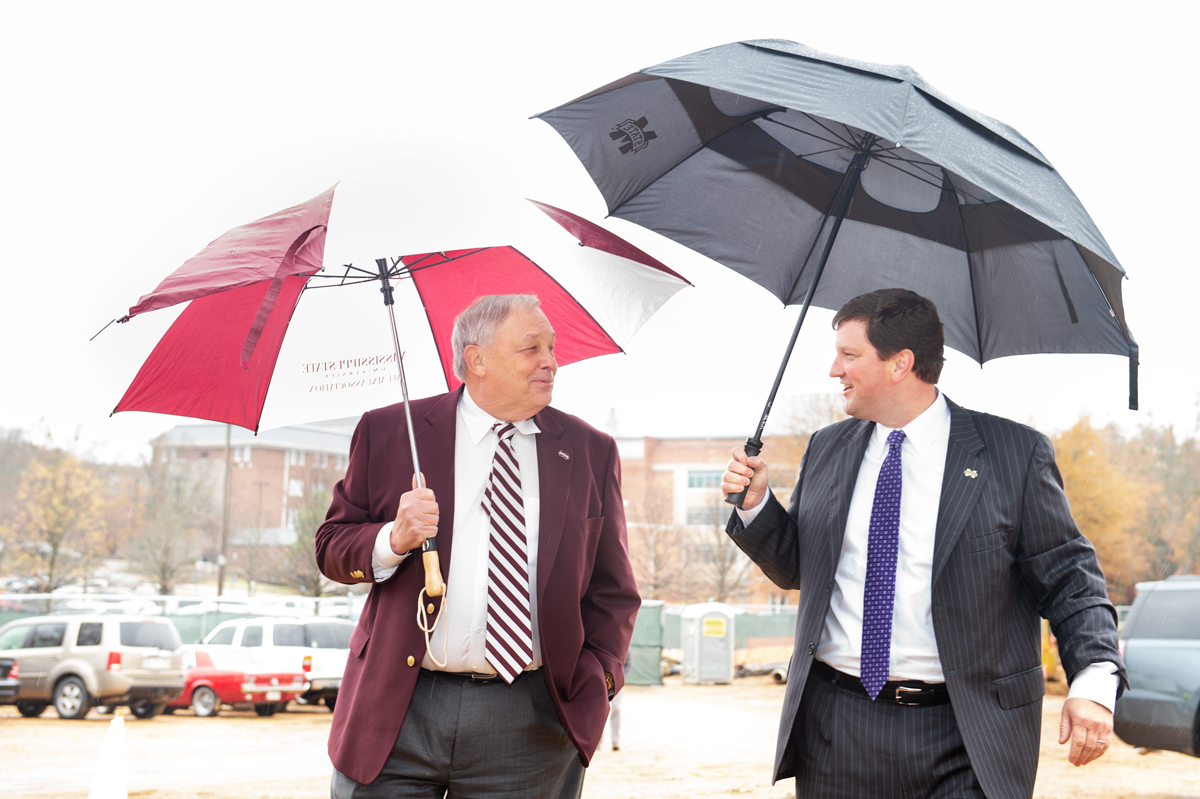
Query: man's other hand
749	474
416	519
1088	726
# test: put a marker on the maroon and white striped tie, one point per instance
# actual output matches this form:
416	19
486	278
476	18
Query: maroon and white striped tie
509	629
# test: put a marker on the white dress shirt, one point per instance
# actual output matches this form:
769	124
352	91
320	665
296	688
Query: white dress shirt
461	632
914	654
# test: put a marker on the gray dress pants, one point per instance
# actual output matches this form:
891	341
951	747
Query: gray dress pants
476	740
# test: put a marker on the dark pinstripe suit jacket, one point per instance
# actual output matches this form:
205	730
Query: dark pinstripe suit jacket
1006	553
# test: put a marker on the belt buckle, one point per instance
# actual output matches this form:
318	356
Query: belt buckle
902	690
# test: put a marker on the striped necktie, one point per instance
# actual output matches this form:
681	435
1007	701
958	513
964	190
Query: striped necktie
883	542
509	627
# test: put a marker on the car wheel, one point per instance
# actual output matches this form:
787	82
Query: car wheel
169	711
205	702
330	701
31	710
265	710
146	710
71	698
281	707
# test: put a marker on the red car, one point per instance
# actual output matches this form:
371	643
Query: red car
226	676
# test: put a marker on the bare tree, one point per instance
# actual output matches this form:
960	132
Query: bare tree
300	568
178	509
656	547
721	570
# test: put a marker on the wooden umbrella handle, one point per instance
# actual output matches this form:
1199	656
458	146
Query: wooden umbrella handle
433	568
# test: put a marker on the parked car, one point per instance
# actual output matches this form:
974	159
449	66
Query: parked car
227	676
1160	641
76	662
287	640
10	680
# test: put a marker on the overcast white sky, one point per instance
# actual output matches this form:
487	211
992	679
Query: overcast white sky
134	134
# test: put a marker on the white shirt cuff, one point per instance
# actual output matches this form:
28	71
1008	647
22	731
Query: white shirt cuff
1099	683
384	561
748	516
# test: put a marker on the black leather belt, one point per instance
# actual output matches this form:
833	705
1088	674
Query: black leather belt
474	676
913	693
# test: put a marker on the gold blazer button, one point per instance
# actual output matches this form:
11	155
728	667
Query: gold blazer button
412	661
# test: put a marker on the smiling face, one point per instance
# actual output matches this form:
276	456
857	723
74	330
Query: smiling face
513	379
868	381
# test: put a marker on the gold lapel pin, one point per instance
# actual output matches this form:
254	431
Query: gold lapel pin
971	473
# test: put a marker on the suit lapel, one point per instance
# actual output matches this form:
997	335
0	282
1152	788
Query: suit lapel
556	462
965	475
435	436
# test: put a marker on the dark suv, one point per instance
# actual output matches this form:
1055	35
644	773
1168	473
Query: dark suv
1161	645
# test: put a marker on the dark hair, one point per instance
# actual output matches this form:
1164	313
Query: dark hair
899	319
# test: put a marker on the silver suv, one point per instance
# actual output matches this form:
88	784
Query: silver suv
77	662
319	644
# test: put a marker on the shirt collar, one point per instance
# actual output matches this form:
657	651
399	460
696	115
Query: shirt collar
479	422
922	431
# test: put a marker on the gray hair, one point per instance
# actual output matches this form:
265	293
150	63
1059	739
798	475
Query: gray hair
480	320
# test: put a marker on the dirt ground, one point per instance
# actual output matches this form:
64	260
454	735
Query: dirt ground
676	741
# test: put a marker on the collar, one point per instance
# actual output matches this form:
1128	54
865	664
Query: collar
479	422
923	431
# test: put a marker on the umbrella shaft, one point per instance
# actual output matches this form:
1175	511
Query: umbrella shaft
849	185
847	191
387	301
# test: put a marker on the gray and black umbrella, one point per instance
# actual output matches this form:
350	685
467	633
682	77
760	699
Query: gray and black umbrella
760	154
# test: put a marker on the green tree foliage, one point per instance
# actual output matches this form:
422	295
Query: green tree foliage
57	529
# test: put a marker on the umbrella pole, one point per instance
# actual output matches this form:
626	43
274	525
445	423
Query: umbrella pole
754	444
433	569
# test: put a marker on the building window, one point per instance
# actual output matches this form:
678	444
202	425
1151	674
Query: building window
293	518
296	457
295	488
241	454
341	462
704	479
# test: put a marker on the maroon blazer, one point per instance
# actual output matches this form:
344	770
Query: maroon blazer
587	597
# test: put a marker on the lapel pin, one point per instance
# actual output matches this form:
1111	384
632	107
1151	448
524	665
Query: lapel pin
564	455
971	473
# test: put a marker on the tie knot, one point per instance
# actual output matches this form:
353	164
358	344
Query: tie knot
895	438
504	430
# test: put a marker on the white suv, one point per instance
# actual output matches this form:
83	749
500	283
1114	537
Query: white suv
320	645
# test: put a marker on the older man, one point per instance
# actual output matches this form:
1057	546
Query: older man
511	695
926	540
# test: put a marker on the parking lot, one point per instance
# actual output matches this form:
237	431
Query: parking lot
677	741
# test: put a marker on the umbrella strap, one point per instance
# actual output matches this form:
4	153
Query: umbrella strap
427	629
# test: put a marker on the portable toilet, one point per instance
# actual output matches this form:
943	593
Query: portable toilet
645	653
707	633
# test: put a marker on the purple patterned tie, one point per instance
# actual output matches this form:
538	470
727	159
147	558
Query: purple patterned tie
509	629
880	589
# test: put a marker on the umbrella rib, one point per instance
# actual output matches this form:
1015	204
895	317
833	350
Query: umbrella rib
848	139
837	141
970	272
931	180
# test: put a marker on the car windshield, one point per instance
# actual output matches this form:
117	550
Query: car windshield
288	635
222	636
329	635
1169	615
149	633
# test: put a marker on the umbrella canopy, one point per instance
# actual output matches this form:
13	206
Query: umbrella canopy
259	344
756	153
